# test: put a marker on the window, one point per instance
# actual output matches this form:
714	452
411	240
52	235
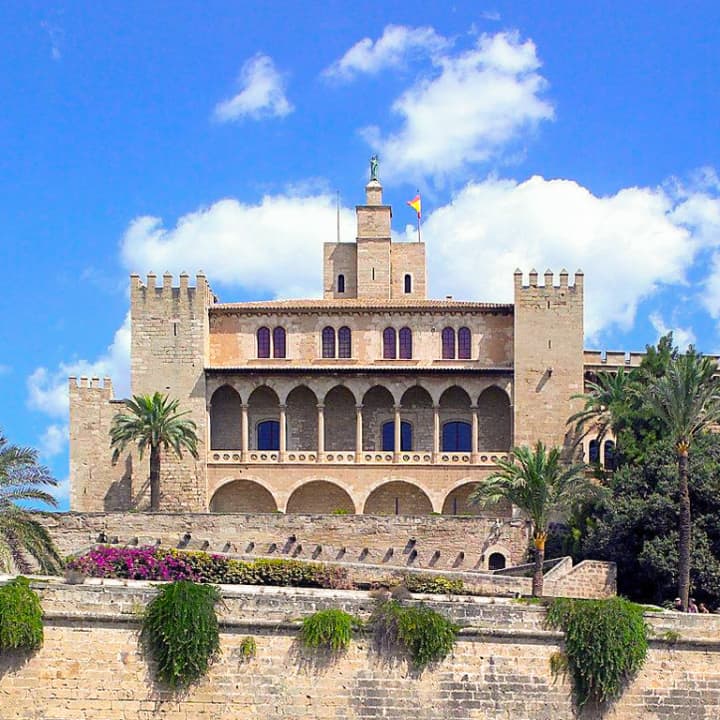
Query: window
594	452
341	283
328	342
405	343
610	460
263	342
344	342
279	342
448	343
408	283
388	436
456	437
389	344
464	343
496	561
268	435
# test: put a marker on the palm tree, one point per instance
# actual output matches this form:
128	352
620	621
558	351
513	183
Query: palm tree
21	535
686	401
538	483
153	421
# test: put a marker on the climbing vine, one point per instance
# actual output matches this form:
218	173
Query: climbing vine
332	629
605	645
21	625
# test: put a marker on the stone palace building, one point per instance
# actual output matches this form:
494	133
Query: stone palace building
374	399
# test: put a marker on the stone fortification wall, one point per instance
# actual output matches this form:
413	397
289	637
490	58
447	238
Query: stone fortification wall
91	665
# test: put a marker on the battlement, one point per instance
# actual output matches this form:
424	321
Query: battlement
618	358
92	386
168	291
549	280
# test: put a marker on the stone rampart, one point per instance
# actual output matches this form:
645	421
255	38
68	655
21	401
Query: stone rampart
91	665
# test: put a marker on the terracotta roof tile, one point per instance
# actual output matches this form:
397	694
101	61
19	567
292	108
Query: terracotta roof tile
360	304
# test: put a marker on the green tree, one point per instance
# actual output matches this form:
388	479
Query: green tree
22	479
153	421
540	484
686	401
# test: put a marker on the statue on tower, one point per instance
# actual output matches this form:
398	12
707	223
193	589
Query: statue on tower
374	168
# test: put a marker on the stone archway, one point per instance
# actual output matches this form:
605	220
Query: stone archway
457	503
225	419
398	497
320	496
494	420
302	419
243	496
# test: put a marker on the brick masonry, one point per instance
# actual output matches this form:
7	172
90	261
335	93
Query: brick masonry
91	665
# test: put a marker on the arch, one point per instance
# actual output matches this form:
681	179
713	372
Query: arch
457	502
594	451
320	496
407	281
302	419
263	405
497	561
455	408
341	283
448	343
389	344
378	409
344	342
494	420
263	342
225	419
464	343
610	459
339	419
328	342
279	342
405	342
398	497
417	408
242	496
388	436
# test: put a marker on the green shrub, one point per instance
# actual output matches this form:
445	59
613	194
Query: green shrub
436	584
427	635
331	629
248	648
21	626
605	644
180	628
340	511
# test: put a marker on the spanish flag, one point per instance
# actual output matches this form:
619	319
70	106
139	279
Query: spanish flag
415	204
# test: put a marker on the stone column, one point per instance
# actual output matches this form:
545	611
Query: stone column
436	433
244	433
397	428
474	455
321	432
358	433
208	434
283	432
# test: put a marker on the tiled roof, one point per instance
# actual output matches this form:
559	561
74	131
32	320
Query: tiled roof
361	304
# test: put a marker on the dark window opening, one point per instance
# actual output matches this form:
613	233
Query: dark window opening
268	435
456	437
341	283
610	458
496	561
448	343
408	283
389	344
328	342
263	342
594	452
388	436
464	343
279	342
344	342
405	343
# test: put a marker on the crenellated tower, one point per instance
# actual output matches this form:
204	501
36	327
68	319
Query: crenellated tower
548	356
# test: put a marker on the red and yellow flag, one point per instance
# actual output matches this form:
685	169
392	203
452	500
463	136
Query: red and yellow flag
415	204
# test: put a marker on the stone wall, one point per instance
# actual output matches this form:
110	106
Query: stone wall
91	665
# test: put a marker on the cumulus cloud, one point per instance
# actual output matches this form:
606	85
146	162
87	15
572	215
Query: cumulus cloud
682	337
394	47
273	247
261	94
475	105
631	243
53	440
48	388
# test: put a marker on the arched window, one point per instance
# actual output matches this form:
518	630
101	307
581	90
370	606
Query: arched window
456	437
464	343
328	342
496	561
388	436
448	343
405	336
408	283
344	342
341	283
594	452
610	459
389	344
279	342
263	342
268	435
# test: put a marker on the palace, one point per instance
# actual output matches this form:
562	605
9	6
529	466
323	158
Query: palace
373	400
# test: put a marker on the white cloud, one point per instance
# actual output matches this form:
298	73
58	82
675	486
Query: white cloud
53	440
48	389
478	103
272	247
629	243
61	492
682	337
262	93
396	45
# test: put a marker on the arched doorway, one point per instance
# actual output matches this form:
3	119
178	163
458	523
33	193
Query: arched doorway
398	497
225	419
320	496
243	496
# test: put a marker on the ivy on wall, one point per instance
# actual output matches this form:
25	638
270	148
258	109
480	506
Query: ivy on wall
21	625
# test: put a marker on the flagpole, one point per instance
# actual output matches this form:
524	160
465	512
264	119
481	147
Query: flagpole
418	227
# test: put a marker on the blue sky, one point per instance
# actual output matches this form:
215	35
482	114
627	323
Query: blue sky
180	136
